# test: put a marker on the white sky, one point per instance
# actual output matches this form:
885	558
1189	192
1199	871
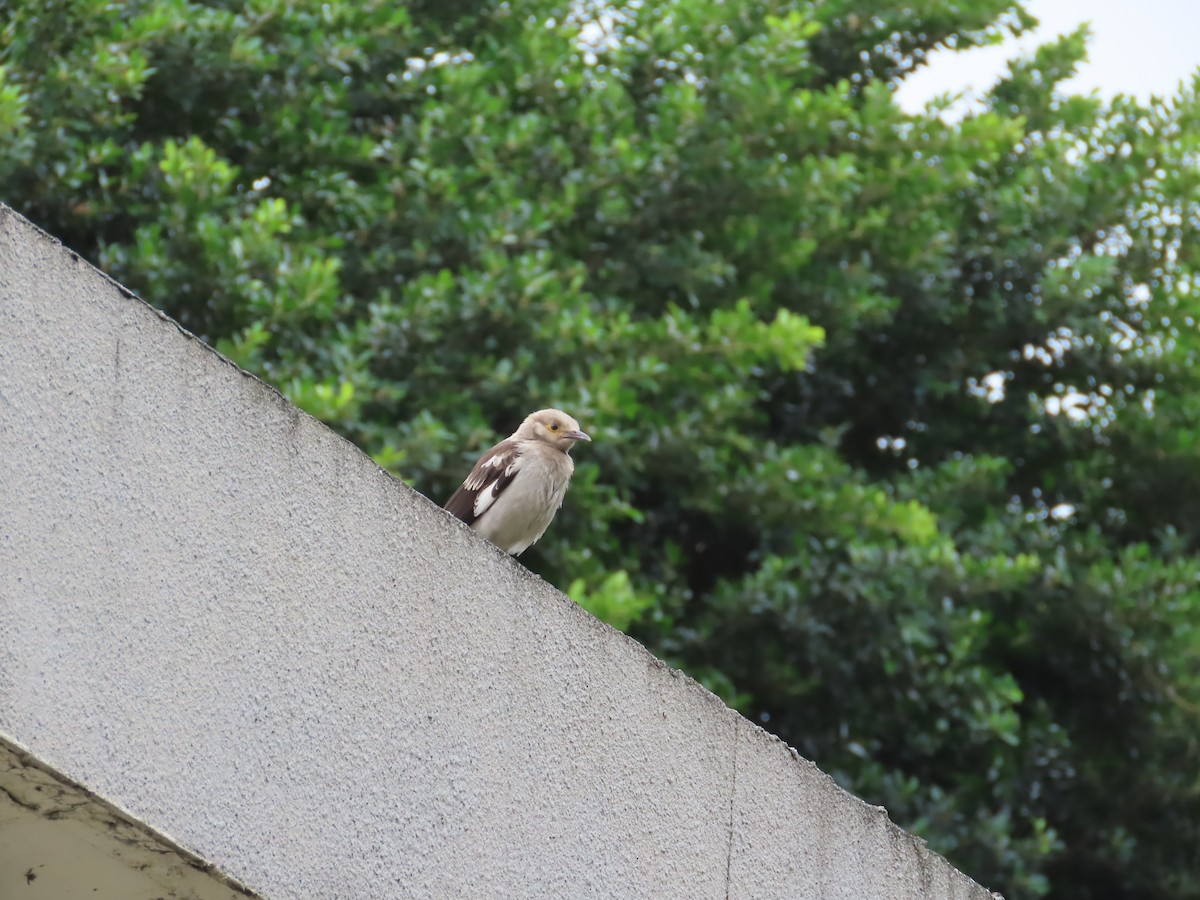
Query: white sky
1138	47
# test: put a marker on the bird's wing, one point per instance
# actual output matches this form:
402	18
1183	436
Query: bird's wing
494	472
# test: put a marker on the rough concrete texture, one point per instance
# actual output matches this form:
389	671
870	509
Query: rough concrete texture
59	842
222	617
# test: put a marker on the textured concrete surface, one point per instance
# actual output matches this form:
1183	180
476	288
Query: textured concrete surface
221	617
57	842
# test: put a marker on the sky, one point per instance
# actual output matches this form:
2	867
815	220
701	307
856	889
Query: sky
1138	47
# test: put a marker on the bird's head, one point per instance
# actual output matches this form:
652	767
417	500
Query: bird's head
551	426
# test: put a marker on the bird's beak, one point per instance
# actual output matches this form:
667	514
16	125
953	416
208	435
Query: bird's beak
577	435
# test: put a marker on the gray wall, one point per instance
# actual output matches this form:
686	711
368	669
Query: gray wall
225	619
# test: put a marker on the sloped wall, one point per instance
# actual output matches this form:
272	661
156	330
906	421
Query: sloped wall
223	618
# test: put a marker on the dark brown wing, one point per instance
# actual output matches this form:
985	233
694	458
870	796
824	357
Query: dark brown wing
492	474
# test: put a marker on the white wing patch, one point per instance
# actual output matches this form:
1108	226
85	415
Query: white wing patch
477	478
486	498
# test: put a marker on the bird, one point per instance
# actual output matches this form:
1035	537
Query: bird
516	487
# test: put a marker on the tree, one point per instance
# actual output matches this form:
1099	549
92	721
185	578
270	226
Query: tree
895	414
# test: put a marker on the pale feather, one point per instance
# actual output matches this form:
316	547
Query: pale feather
522	512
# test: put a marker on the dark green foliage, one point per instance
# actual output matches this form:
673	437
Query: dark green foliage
896	418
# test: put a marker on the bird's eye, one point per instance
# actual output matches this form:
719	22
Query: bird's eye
554	426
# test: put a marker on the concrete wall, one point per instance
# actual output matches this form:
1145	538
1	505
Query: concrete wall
59	842
223	618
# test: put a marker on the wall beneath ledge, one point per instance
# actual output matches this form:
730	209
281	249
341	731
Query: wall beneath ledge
228	622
